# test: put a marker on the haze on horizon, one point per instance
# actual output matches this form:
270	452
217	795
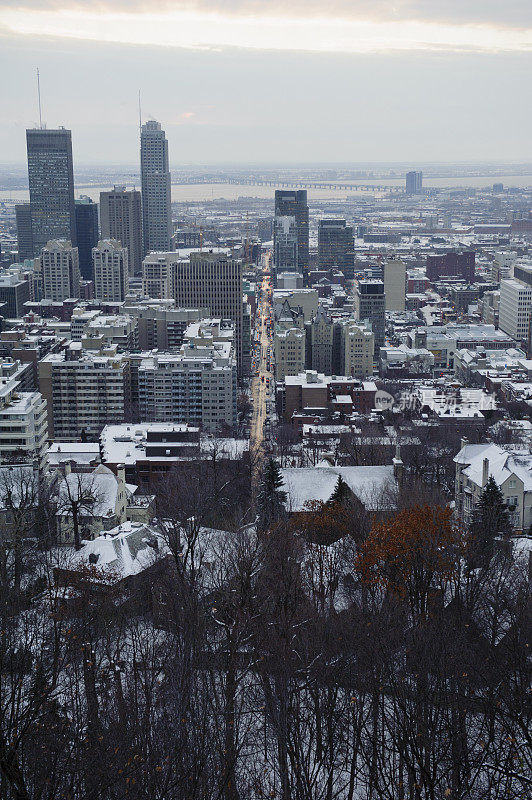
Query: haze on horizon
272	82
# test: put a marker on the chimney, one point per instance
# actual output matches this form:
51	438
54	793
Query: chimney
121	473
463	442
485	471
397	462
68	468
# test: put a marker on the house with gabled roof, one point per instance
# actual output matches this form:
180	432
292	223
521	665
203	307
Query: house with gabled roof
511	471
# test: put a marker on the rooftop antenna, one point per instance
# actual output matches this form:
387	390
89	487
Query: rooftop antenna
39	96
140	117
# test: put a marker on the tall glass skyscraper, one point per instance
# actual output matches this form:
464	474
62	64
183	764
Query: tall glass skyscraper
294	204
87	233
51	181
156	196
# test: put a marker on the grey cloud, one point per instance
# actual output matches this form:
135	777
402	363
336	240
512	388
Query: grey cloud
410	106
512	13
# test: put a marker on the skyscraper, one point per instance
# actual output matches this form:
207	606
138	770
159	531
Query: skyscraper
156	196
87	233
213	281
285	252
290	203
60	270
394	277
51	182
24	234
110	271
370	304
121	218
336	247
414	182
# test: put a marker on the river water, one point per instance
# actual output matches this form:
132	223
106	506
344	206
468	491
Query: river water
197	193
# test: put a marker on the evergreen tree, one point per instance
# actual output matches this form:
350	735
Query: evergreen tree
341	493
271	498
491	518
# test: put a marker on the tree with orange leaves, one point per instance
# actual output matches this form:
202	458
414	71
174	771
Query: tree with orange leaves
412	554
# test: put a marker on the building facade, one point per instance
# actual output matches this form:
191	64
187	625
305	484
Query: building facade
414	182
512	472
59	263
195	386
162	327
121	219
14	292
394	277
452	264
294	204
24	232
51	185
213	281
370	304
289	351
336	246
110	265
84	391
87	233
23	424
156	195
159	275
515	309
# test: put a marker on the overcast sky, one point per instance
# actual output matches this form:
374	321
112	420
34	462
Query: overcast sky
270	81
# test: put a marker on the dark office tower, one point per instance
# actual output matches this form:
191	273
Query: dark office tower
414	182
51	180
294	204
336	246
87	232
156	194
121	219
24	234
370	304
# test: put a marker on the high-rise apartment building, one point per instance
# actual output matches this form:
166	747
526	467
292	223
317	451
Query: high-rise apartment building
213	281
414	182
87	233
121	219
51	184
159	274
394	277
336	246
84	390
110	271
23	424
156	190
340	346
197	385
162	327
24	234
515	311
59	264
370	304
355	353
294	204
289	350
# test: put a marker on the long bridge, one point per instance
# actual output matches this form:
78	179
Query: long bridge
283	183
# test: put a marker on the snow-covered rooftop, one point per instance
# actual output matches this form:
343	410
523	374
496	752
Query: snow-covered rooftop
304	485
